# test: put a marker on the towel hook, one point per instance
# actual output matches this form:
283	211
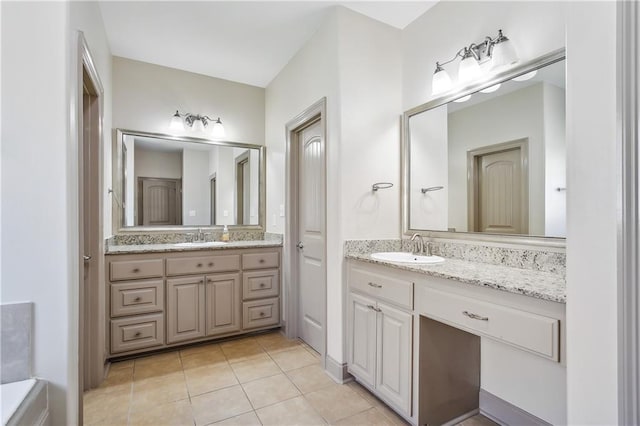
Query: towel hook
381	185
431	188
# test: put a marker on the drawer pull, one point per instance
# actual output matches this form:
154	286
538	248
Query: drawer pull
261	261
374	308
262	285
210	263
138	334
261	314
199	265
137	299
474	316
135	270
374	285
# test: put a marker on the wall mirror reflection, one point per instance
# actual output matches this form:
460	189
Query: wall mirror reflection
492	162
169	182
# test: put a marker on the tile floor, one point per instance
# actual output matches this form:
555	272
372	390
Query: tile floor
258	380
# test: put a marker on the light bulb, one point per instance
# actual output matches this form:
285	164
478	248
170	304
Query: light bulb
176	122
469	69
503	52
527	76
463	99
491	89
441	81
217	129
197	125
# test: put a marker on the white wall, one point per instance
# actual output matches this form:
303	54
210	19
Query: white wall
195	188
437	35
39	168
157	164
592	182
354	62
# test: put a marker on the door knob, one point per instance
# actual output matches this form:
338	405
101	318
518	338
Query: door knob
300	245
86	258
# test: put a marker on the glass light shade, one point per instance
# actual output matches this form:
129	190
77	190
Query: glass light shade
441	82
197	126
527	76
217	129
503	54
468	70
463	99
491	89
177	123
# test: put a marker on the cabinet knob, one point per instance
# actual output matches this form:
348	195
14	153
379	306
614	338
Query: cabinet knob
138	334
261	314
211	263
135	270
201	281
137	299
209	280
261	261
262	285
199	265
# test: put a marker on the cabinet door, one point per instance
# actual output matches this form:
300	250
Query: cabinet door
393	369
185	309
361	332
223	303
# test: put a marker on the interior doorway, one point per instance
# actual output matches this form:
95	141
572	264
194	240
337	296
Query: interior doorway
243	191
91	292
498	188
159	201
305	245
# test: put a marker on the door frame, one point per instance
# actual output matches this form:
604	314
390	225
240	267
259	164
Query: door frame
472	178
314	113
241	161
87	320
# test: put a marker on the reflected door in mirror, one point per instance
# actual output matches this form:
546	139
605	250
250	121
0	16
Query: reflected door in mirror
159	202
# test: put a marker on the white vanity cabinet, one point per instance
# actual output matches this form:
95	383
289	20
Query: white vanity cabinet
380	329
157	300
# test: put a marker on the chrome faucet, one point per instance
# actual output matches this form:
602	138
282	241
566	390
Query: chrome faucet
420	247
201	236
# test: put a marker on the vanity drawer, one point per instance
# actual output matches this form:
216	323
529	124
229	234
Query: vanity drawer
205	264
133	269
128	334
532	332
261	260
260	313
137	298
259	284
382	286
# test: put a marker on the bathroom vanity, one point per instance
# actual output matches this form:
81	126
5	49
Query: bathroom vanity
415	332
165	295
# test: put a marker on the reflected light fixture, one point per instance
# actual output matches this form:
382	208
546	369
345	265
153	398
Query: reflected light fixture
499	50
527	76
197	123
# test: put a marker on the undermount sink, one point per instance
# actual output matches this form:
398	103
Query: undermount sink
404	257
201	244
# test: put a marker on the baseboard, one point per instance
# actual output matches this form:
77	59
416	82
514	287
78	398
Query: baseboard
337	371
505	413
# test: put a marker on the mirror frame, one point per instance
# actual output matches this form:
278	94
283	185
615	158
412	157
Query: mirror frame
117	178
501	77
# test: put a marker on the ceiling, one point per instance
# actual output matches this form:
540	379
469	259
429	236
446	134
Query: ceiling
247	42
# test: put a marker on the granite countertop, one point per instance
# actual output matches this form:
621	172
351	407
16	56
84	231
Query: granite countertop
541	285
162	248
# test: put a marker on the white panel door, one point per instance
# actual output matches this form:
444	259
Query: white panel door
393	372
361	333
311	232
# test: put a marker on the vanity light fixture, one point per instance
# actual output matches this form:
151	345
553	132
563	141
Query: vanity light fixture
198	123
498	50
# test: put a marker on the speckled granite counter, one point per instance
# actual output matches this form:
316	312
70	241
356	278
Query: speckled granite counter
538	284
162	248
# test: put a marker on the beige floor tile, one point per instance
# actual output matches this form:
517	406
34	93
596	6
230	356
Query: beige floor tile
157	366
391	415
247	419
219	405
336	402
269	390
247	371
109	421
209	378
121	364
478	420
159	390
294	358
172	413
310	378
158	358
296	411
371	417
201	359
104	405
198	349
241	350
118	376
276	342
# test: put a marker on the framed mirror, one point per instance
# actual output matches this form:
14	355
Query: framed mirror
488	162
164	182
